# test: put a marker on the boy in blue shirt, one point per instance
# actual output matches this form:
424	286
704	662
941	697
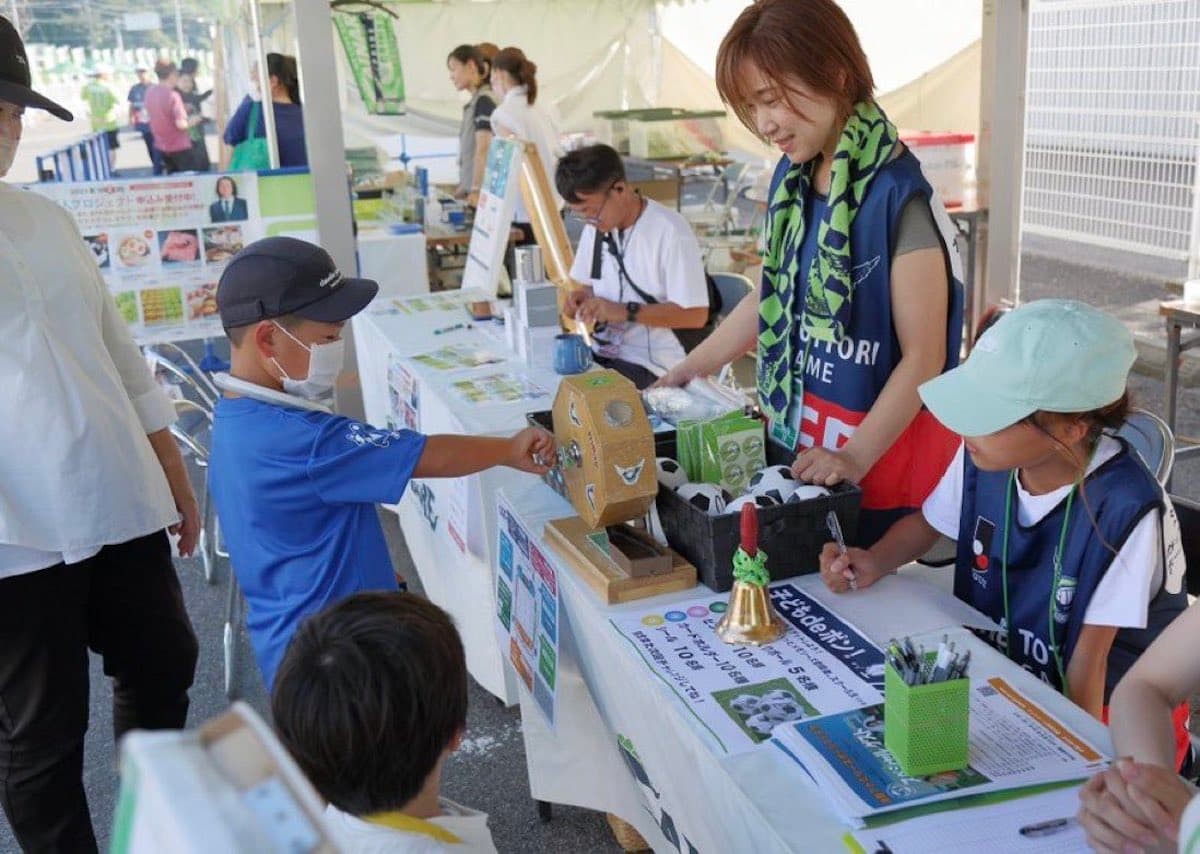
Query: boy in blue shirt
296	485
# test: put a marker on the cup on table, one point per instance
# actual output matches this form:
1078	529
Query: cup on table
572	355
457	218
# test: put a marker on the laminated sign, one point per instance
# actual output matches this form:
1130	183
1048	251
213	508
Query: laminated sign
374	57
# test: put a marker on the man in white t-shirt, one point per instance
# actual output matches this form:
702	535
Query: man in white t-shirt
640	278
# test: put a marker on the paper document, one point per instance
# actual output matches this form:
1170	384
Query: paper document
1037	824
1013	743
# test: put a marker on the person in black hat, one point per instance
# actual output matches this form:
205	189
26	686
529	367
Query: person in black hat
91	482
294	484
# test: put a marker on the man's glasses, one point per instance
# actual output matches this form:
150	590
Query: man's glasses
594	219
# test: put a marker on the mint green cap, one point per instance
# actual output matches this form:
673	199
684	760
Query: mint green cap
1055	355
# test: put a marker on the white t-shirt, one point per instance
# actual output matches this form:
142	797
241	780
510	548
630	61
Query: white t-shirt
355	836
663	258
76	470
1123	595
514	116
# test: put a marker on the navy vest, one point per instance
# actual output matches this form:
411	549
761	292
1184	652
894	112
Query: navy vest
1120	492
842	381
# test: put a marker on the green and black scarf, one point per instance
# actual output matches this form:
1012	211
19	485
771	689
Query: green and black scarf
866	144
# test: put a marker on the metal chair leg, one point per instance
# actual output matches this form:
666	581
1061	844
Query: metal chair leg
229	637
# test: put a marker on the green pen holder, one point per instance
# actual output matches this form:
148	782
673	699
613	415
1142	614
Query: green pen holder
926	726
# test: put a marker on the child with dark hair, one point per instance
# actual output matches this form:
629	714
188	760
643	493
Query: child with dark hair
1064	536
371	700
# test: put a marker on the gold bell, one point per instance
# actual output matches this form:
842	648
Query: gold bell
751	618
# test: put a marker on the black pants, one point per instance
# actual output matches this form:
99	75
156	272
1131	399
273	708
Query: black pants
187	160
638	375
125	604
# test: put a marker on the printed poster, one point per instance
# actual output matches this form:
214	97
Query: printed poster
527	608
1014	743
741	693
493	215
457	357
161	243
404	399
497	388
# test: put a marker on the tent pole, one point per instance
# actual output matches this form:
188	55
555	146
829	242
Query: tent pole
327	156
1001	154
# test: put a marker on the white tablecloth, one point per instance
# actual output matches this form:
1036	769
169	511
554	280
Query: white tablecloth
396	261
460	582
753	801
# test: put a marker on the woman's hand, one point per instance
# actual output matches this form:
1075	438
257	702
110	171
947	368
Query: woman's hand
680	375
854	570
826	468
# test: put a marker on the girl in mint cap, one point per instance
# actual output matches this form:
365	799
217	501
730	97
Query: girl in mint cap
1064	536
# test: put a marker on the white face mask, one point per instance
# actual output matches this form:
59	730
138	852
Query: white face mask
324	365
8	153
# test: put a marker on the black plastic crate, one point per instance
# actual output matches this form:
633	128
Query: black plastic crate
792	535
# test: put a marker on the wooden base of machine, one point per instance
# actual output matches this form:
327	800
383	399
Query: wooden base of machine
573	540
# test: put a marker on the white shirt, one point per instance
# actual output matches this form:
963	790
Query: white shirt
1123	595
663	259
355	836
515	116
76	470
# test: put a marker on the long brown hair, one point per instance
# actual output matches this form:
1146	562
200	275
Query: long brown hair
811	40
522	69
1105	419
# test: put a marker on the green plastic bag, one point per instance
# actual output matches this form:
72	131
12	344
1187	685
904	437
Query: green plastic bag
251	154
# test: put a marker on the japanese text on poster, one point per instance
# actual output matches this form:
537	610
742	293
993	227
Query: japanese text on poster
741	693
527	608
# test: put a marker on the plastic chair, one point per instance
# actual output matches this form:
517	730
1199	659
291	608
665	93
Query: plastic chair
732	287
711	217
1150	436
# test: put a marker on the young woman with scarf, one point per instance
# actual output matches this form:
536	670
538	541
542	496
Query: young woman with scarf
861	298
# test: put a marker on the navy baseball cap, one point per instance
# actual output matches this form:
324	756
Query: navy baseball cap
282	275
15	77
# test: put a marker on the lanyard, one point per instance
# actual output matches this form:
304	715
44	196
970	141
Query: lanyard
397	820
1058	553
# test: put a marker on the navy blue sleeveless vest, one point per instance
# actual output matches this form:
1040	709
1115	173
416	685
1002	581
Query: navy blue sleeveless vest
842	381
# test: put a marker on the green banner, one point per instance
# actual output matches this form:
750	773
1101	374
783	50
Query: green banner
374	56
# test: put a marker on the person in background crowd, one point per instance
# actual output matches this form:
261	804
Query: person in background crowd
469	73
638	276
101	105
169	122
228	207
514	80
861	299
186	87
140	119
188	68
90	482
295	485
289	115
371	700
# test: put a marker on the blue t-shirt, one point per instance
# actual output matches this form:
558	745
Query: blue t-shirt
289	130
295	492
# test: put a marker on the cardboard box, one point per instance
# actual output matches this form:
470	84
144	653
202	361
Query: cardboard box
228	786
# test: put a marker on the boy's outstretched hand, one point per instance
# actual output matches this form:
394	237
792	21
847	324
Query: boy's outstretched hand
532	450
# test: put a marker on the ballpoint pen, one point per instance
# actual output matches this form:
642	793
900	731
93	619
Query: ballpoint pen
835	531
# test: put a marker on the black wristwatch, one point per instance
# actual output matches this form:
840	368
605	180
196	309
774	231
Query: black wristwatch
631	311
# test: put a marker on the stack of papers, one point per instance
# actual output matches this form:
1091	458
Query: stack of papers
1013	744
